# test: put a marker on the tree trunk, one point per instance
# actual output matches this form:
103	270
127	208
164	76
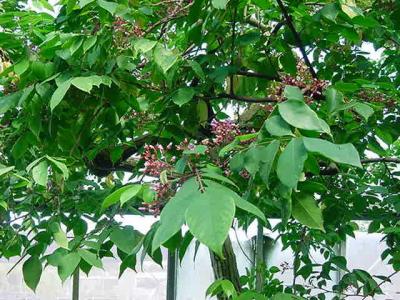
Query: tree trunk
226	268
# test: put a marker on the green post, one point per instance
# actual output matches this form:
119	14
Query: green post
171	275
75	285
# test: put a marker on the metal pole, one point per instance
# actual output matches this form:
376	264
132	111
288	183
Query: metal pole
171	275
341	251
259	255
75	285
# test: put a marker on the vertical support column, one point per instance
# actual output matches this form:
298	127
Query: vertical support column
172	274
75	285
259	257
340	250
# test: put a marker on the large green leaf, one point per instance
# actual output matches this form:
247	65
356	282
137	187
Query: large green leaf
6	170
10	101
129	193
210	216
334	99
306	211
60	237
126	238
299	115
86	83
67	265
363	110
291	162
239	201
183	95
173	215
32	271
115	197
268	160
91	258
59	94
293	93
40	173
344	153
164	58
144	45
276	126
219	4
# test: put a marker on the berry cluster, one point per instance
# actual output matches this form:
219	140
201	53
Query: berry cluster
225	131
153	165
312	88
374	96
126	29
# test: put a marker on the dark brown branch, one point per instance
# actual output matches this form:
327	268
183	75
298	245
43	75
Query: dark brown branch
257	75
254	22
240	98
333	171
297	38
381	159
175	15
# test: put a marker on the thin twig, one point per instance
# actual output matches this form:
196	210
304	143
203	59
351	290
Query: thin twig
297	38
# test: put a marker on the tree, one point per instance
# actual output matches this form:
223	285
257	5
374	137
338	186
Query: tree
231	110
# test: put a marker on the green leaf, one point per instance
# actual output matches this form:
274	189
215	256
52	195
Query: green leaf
111	7
207	173
344	153
164	58
293	93
173	214
114	197
128	262
86	83
198	149
21	67
59	165
5	170
268	159
276	126
67	265
284	296
291	162
90	258
364	110
183	96
239	201
289	62
129	193
349	7
60	237
334	99
40	173
306	211
299	115
144	45
211	228
89	43
223	286
126	238
32	271
196	67
330	11
219	4
10	101
59	94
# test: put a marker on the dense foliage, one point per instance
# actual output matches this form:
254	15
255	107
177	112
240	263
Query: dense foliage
205	113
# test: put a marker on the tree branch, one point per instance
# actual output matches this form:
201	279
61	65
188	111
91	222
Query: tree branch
297	38
333	171
257	75
239	98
